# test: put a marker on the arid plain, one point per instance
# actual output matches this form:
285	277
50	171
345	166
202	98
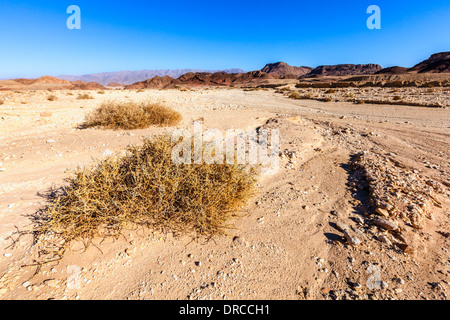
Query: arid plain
311	231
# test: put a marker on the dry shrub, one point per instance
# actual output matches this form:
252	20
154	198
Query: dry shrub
145	188
52	97
397	98
1	101
295	95
84	96
131	115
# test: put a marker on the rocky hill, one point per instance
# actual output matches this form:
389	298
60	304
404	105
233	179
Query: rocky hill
437	63
202	79
393	70
344	70
285	71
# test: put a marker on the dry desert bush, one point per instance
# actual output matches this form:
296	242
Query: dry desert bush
84	96
131	115
143	187
295	95
52	97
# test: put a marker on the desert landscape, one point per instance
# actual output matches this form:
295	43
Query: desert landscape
358	209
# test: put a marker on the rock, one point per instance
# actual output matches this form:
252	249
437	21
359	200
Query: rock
382	212
351	239
342	226
386	224
50	141
405	248
399	236
334	213
399	281
107	152
384	239
359	220
240	241
435	286
26	284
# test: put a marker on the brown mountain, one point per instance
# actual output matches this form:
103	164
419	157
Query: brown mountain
202	79
393	70
81	85
43	80
48	82
436	63
156	82
283	70
344	70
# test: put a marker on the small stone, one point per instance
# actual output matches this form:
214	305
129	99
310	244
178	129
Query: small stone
359	220
107	152
240	241
342	226
382	212
384	239
26	284
352	240
405	248
435	286
399	281
386	224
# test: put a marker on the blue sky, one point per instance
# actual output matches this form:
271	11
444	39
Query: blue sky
135	35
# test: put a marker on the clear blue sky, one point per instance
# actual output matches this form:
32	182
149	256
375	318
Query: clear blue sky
134	35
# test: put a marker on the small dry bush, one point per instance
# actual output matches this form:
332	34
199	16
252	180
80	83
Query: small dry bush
397	98
295	95
1	101
143	188
131	115
52	97
330	91
84	96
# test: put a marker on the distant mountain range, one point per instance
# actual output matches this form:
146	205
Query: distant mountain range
162	79
129	77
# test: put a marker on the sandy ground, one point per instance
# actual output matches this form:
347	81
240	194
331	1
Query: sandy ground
285	245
